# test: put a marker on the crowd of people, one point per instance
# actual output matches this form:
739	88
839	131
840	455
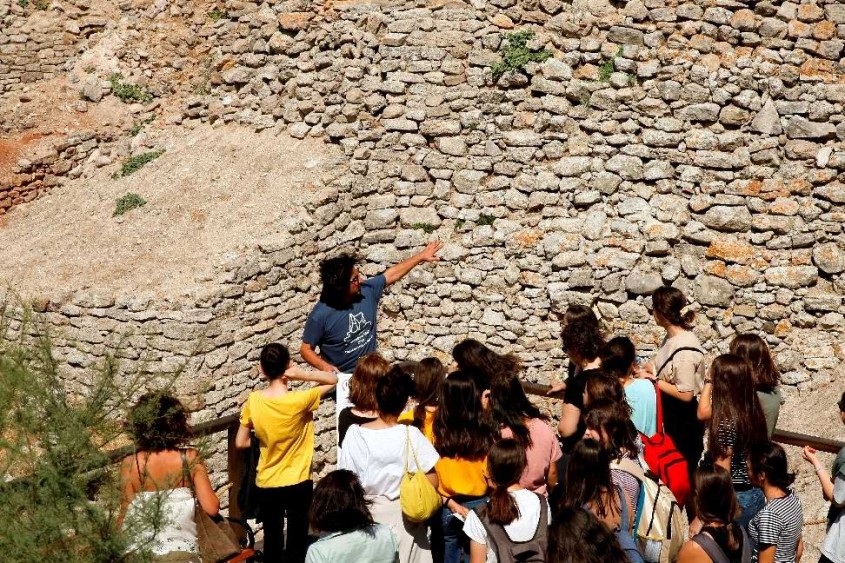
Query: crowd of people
511	486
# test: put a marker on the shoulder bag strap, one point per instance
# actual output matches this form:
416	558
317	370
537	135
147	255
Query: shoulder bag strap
746	546
675	353
413	451
659	404
711	548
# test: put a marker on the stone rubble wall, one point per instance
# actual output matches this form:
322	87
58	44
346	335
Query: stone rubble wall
709	154
39	37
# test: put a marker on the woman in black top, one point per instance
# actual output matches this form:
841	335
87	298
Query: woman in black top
718	533
583	340
362	393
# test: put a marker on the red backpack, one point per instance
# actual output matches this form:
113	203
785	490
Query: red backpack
664	459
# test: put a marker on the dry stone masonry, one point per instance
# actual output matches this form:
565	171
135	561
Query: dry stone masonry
699	144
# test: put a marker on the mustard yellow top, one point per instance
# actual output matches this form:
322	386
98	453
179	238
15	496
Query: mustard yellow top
284	427
407	417
458	476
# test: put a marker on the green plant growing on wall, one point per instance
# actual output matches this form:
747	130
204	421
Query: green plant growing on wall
138	127
608	67
484	219
128	93
23	3
459	223
127	203
216	14
428	228
516	54
135	163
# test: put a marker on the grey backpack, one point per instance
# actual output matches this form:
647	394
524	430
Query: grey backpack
716	553
509	551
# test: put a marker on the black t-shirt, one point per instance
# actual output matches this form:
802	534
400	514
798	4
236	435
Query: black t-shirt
346	419
574	395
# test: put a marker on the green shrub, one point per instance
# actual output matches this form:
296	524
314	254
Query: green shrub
459	223
217	14
128	93
608	67
428	228
59	496
135	163
484	219
516	54
23	3
127	203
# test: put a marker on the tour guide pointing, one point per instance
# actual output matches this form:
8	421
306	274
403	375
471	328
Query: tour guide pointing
343	322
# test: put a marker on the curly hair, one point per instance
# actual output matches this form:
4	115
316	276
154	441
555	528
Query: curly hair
362	385
157	422
581	333
335	274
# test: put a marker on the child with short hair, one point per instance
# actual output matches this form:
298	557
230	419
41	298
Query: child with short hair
284	425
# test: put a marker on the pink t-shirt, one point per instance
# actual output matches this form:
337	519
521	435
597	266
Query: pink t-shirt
544	451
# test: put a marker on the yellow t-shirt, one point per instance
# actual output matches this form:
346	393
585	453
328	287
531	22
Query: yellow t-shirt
407	417
285	428
458	476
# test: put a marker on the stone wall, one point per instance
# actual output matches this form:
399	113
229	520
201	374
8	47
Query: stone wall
698	144
39	37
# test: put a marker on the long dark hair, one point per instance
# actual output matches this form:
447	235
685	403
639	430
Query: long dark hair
669	301
461	428
618	357
428	379
610	417
588	479
488	366
336	274
755	350
735	403
511	407
715	500
339	504
505	464
770	459
581	333
577	536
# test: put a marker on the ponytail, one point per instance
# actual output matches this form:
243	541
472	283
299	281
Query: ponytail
505	464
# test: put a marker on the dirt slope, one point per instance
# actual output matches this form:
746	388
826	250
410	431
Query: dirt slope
213	191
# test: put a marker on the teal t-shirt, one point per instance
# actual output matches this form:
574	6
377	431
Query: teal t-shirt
641	397
374	544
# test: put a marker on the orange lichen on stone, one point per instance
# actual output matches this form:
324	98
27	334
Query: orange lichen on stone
783	328
730	250
717	268
587	72
784	206
527	238
742	276
824	30
818	69
294	21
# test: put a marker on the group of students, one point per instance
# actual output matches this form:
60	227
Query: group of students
512	489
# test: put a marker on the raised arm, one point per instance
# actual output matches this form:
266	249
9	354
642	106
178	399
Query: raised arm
327	380
400	270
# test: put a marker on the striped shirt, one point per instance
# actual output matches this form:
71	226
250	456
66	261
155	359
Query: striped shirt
778	523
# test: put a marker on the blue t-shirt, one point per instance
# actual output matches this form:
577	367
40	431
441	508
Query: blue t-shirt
641	397
344	335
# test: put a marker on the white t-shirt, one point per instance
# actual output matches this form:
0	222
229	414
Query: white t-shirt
520	530
378	457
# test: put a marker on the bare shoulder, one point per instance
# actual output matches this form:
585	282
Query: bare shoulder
691	552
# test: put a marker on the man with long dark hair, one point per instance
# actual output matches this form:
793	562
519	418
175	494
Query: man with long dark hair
343	323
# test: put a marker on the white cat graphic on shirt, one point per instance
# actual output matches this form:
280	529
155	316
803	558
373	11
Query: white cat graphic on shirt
358	335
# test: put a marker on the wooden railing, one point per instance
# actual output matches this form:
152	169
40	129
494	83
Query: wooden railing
235	458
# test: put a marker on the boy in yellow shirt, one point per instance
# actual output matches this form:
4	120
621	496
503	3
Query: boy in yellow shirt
283	422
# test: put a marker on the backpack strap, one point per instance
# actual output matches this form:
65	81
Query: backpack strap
713	550
675	353
746	545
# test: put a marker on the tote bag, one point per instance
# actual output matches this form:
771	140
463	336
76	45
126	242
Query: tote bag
417	496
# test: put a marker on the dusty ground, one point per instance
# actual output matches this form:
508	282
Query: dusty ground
214	191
